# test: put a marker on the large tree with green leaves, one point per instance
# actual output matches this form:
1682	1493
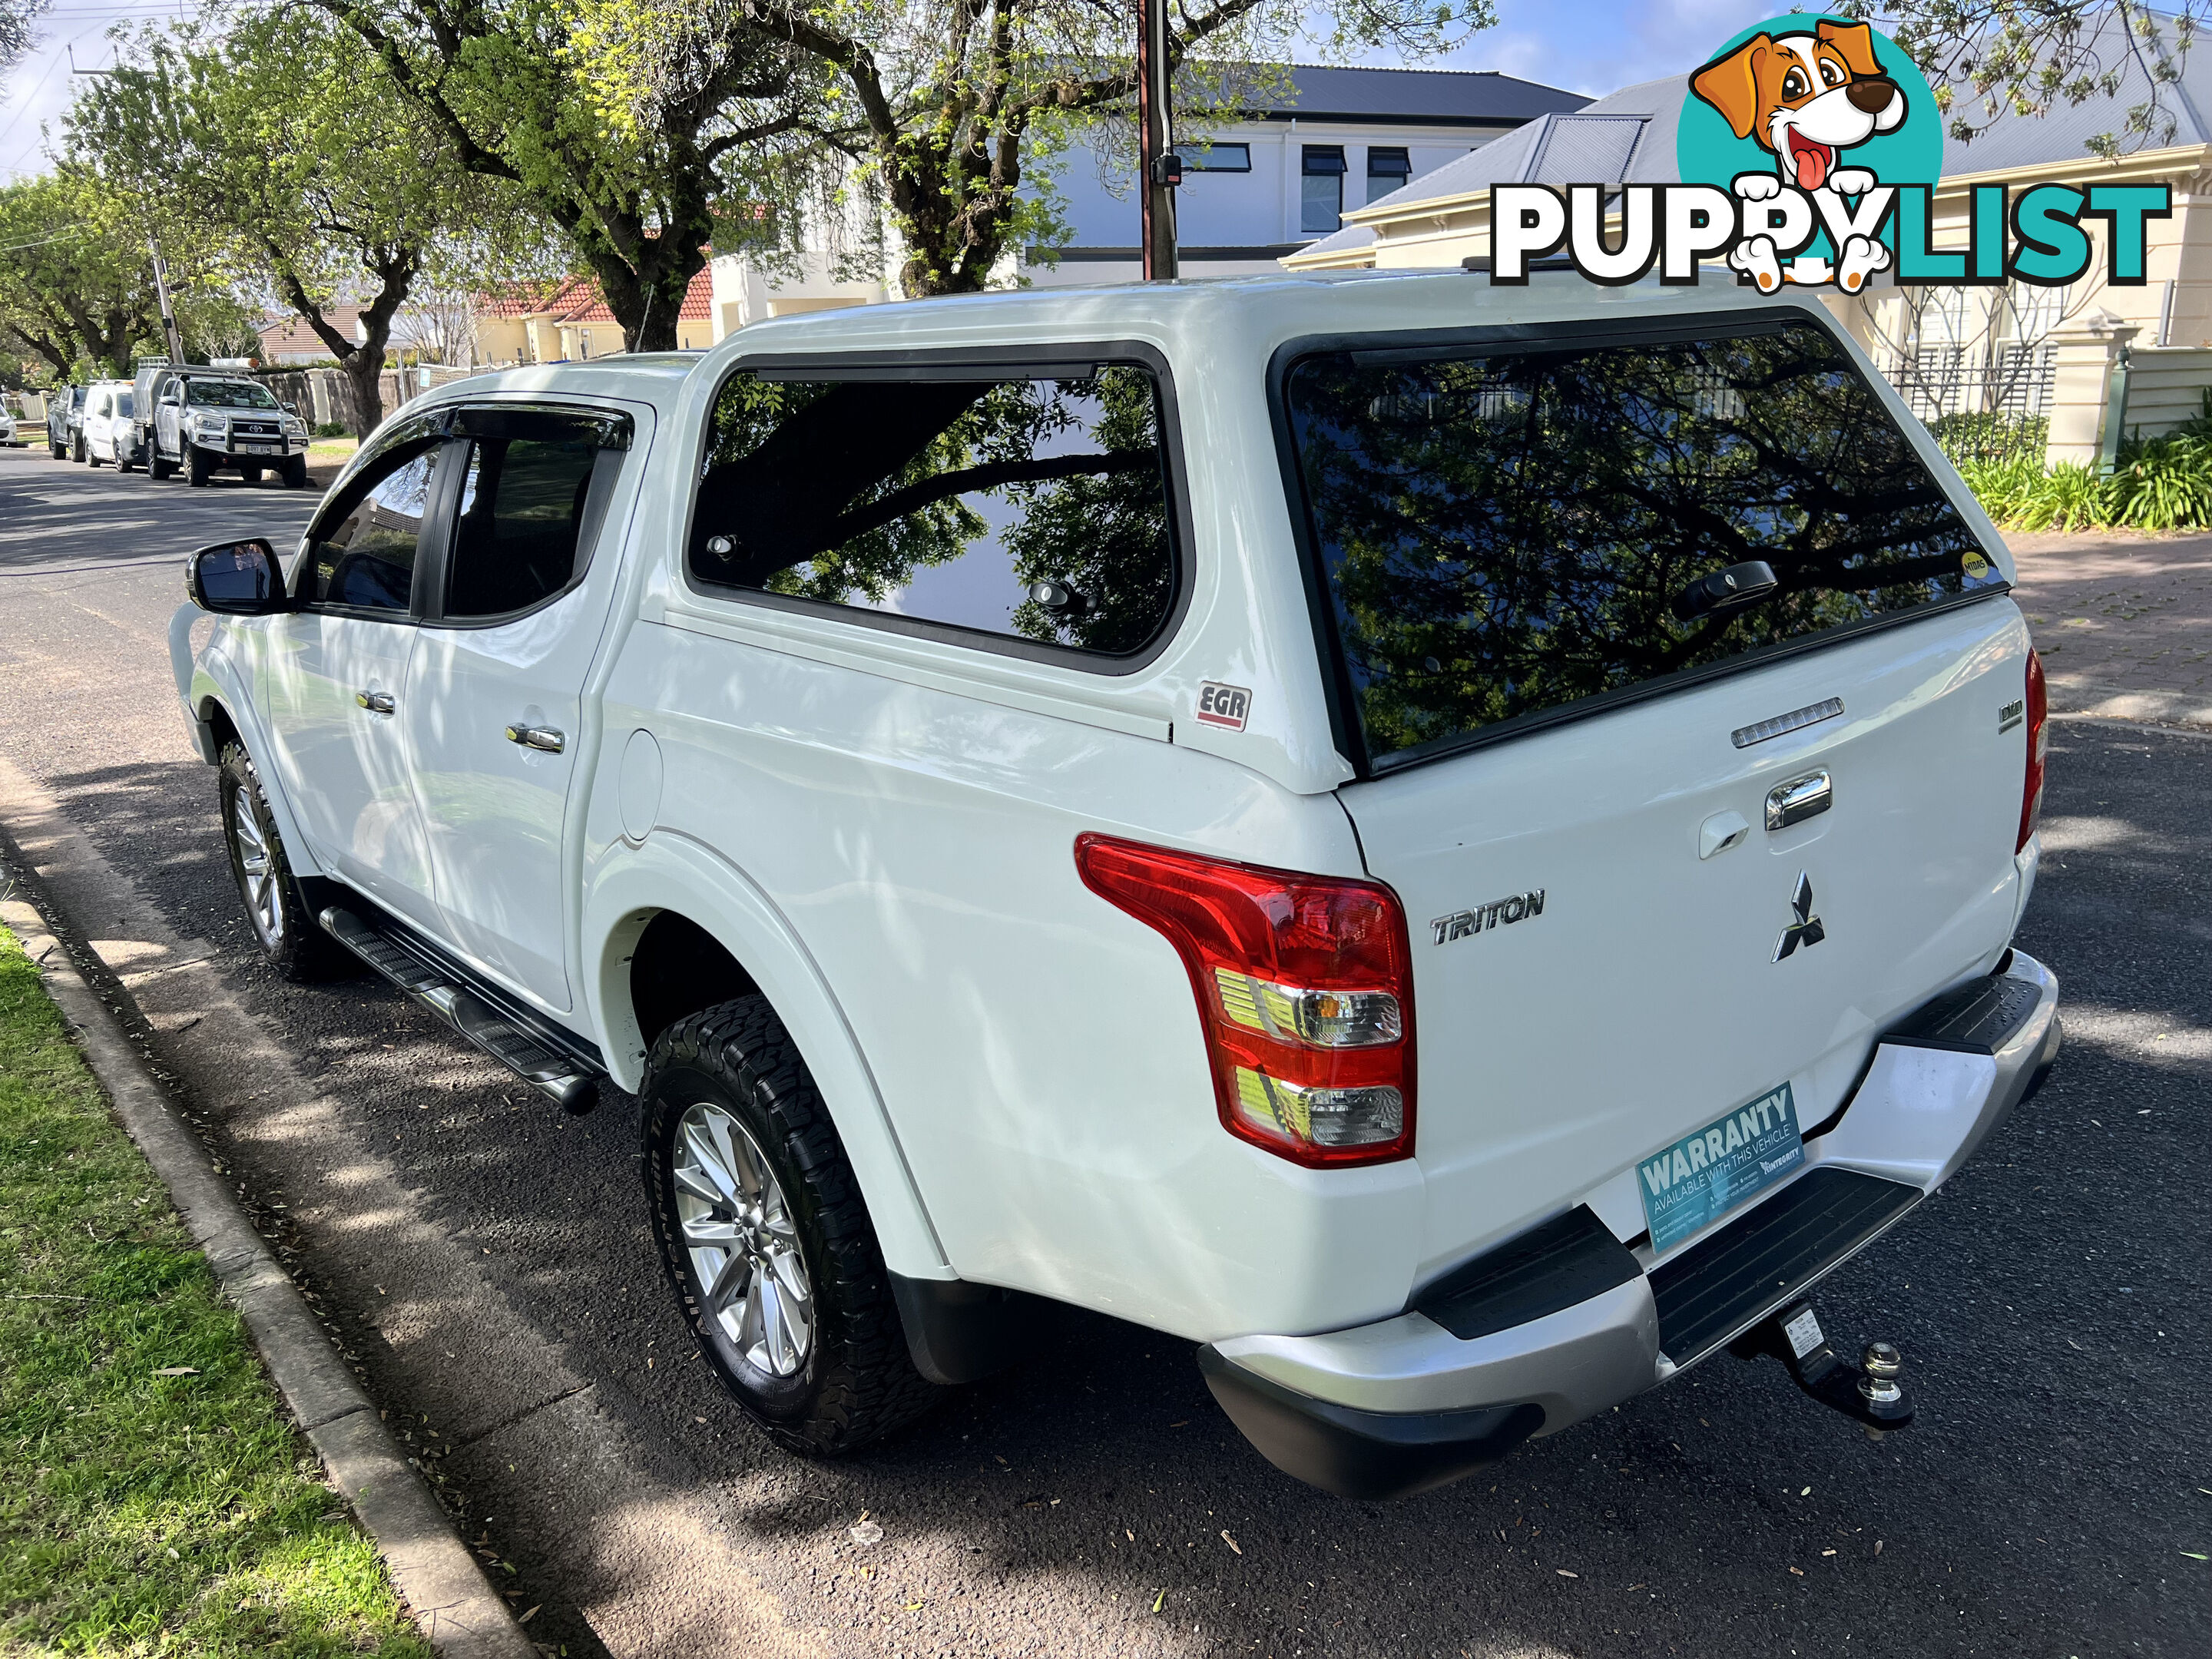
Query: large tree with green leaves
282	136
944	104
76	279
640	175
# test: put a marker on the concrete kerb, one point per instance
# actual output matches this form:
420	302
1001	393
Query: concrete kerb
431	1568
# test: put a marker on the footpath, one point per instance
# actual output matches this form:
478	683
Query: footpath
2123	623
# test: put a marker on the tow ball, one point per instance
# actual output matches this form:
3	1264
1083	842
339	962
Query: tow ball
1868	1392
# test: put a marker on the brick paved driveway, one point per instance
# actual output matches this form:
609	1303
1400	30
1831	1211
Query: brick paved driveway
2123	623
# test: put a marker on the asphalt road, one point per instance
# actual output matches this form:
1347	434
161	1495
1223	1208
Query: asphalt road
2052	1304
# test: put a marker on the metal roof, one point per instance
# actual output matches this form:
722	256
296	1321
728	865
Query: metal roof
1626	136
2062	131
1406	97
1585	146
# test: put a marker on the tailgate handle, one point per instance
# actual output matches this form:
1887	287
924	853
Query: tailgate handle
1798	800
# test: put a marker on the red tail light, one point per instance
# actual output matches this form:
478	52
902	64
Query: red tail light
2038	745
1305	993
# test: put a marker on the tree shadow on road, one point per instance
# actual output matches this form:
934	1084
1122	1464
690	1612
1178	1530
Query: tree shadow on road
2050	1303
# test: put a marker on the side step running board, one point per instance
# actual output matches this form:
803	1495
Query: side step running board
562	1078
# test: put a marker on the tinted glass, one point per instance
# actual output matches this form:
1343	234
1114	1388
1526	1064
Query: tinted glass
229	394
516	537
1031	507
1321	188
1505	534
1215	158
366	559
123	400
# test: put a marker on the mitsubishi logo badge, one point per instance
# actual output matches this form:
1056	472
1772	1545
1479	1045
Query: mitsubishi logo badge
1805	930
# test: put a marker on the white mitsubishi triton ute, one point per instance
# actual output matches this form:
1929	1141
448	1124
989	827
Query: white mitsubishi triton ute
1454	846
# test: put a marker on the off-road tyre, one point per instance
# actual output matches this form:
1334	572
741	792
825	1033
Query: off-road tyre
296	946
295	472
251	473
199	466
157	468
80	452
858	1383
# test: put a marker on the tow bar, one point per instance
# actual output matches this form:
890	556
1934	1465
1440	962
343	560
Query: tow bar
1868	1392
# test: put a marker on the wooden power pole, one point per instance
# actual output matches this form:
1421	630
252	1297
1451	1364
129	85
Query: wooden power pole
1160	166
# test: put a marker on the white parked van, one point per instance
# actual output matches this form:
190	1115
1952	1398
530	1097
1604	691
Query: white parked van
110	431
1455	847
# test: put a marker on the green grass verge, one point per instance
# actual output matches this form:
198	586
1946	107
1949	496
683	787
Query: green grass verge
143	1514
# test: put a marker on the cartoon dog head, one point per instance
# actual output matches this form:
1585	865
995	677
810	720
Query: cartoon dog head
1806	97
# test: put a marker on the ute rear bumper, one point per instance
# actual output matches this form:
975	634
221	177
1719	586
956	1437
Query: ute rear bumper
1566	1321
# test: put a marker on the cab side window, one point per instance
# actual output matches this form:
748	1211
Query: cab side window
364	559
519	536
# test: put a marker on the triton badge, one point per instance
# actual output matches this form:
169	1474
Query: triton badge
1805	930
1459	925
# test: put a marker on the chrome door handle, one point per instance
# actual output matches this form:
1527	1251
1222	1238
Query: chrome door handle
538	737
1798	800
377	702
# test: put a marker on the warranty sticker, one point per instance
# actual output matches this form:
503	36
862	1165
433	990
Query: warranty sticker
1703	1176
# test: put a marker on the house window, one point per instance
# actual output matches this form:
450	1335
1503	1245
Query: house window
2035	311
1952	317
1320	196
1215	158
1388	169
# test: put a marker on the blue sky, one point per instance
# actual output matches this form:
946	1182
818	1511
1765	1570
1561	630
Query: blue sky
1588	47
1593	46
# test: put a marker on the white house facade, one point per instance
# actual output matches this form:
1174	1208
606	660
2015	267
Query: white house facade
1259	189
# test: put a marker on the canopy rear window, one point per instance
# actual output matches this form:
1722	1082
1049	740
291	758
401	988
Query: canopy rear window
1505	531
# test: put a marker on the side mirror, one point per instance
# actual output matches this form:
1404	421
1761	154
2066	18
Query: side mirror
236	579
291	409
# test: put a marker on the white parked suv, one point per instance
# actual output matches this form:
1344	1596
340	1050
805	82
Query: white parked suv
201	422
1455	846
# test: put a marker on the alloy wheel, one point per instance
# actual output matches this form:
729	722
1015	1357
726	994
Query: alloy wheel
741	1240
257	871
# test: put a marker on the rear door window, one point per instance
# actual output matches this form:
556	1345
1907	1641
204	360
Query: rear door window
1506	532
521	531
1035	508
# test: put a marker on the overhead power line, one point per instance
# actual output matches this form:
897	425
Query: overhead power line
62	235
